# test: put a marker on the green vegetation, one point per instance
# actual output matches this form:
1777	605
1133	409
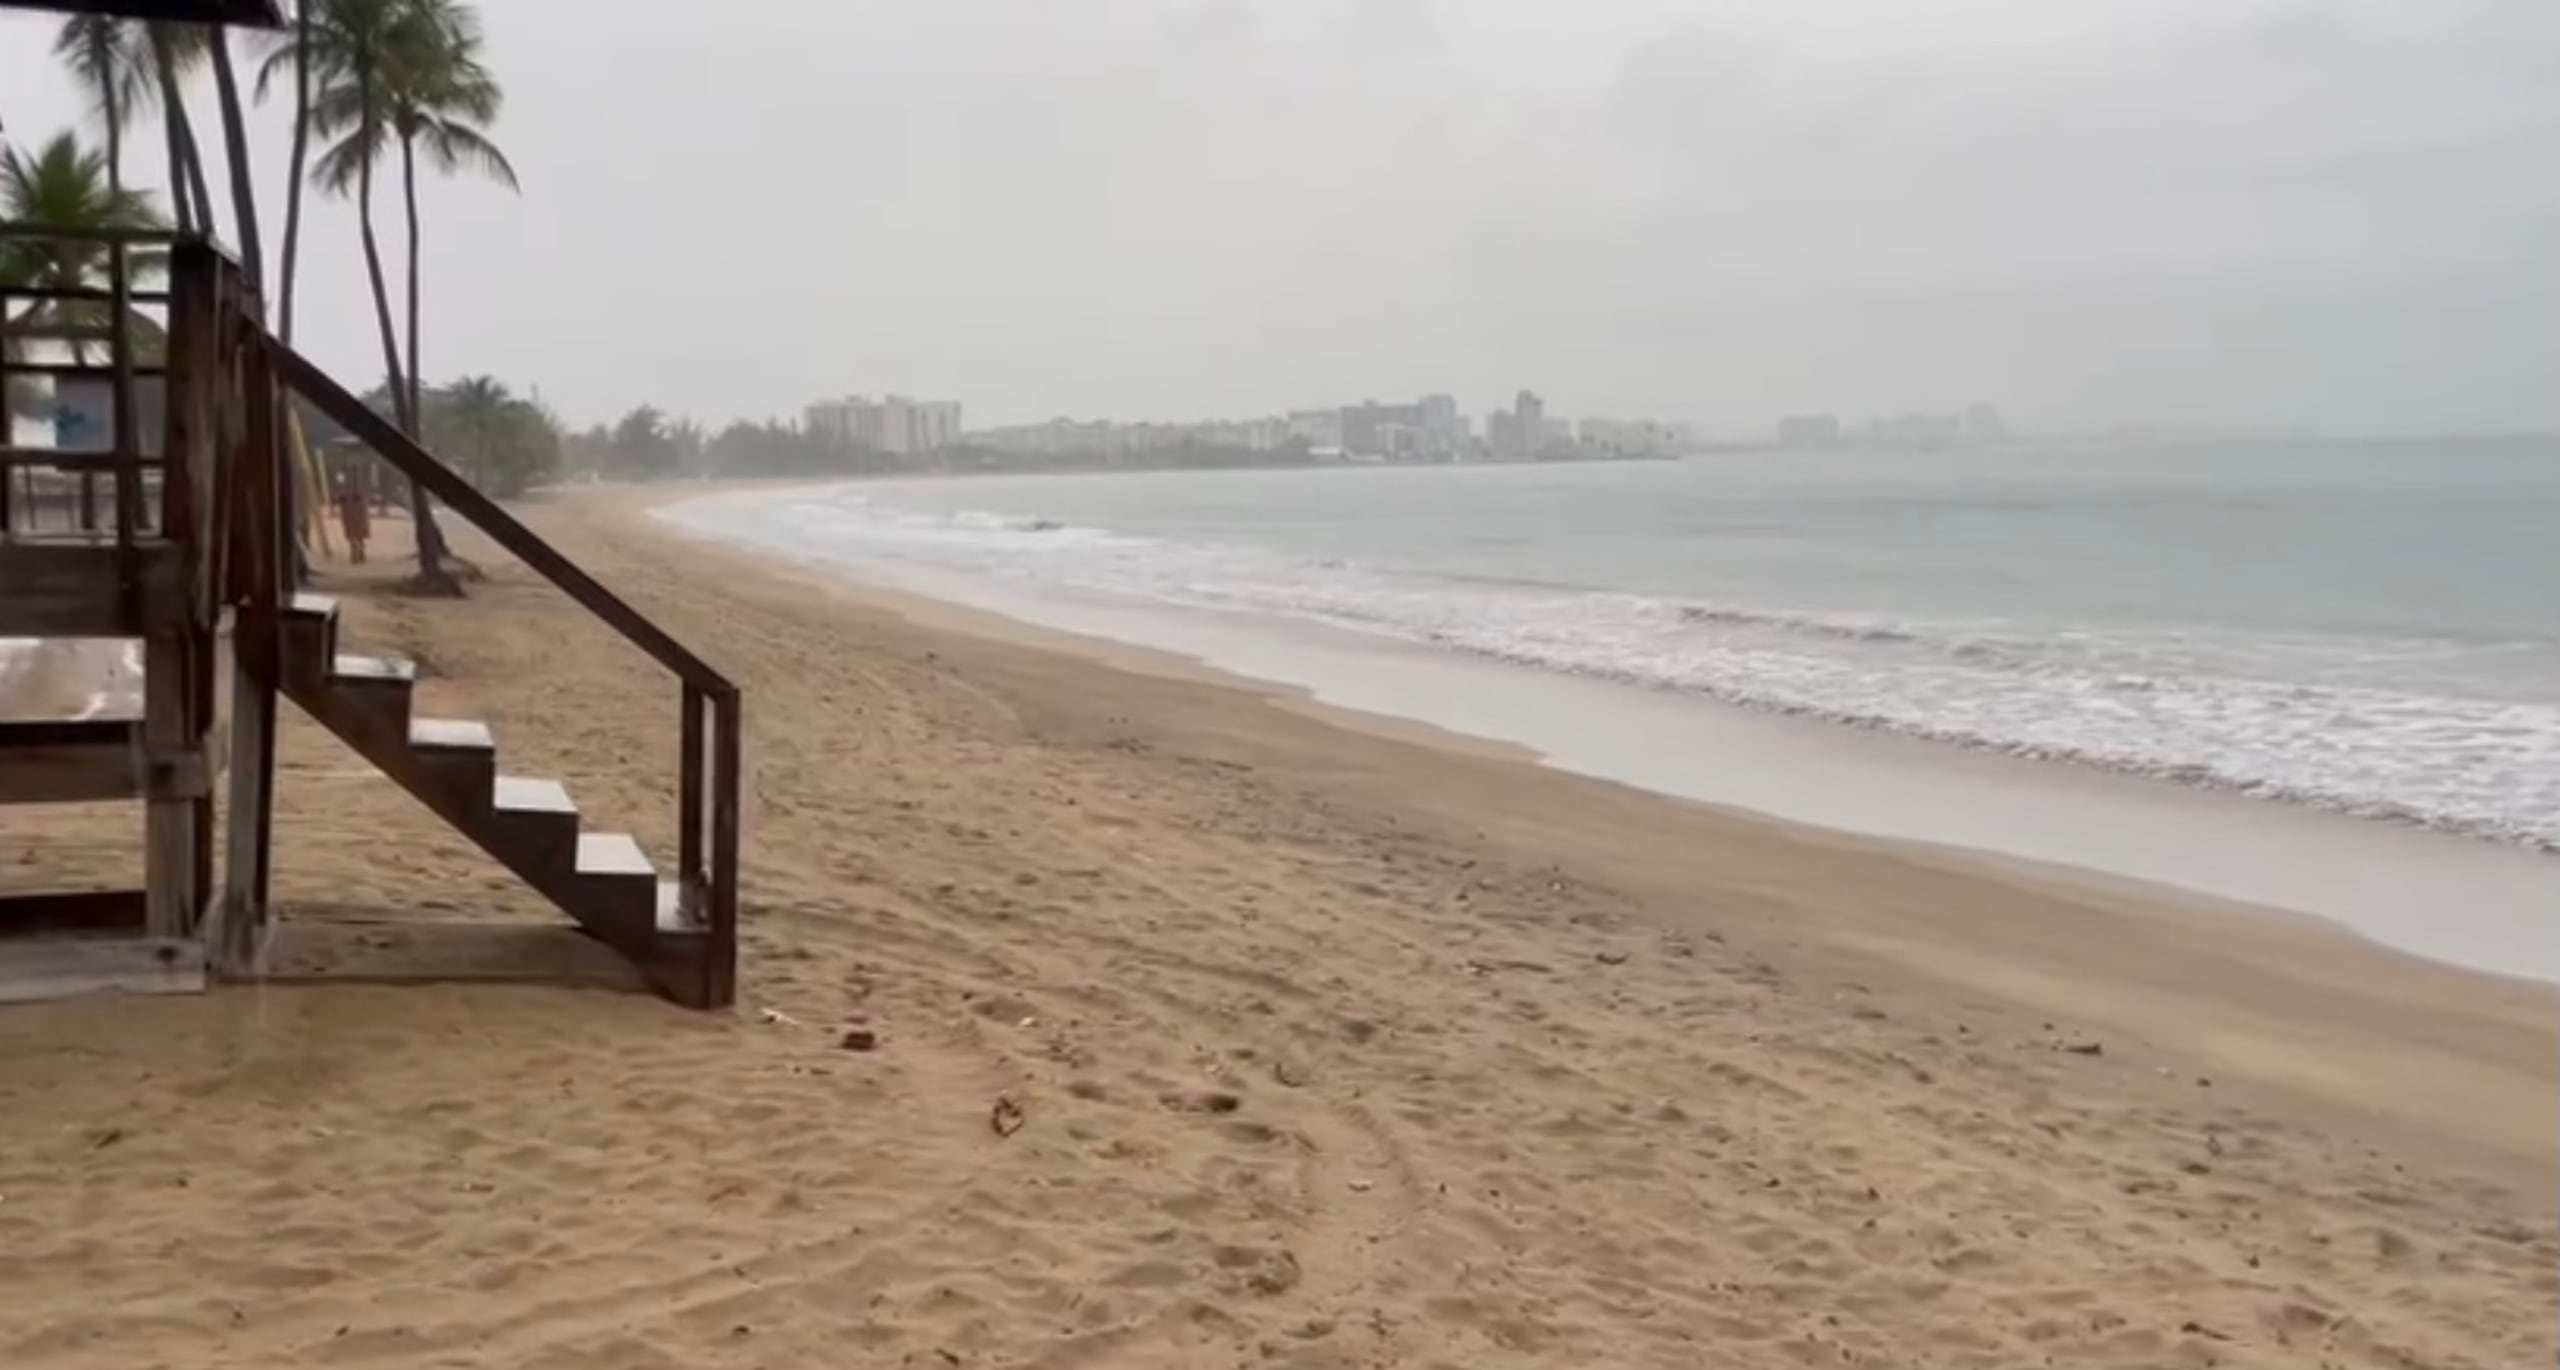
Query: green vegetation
503	443
71	185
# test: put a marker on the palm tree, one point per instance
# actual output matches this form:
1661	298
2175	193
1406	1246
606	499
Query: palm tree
127	67
67	185
235	147
99	51
303	50
351	46
176	51
438	95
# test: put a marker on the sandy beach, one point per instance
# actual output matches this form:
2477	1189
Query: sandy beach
1194	1026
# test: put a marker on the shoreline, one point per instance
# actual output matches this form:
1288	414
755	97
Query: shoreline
2444	896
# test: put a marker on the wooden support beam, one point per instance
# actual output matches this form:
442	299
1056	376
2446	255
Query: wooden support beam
76	589
60	459
71	762
77	911
168	823
77	371
61	967
238	936
83	294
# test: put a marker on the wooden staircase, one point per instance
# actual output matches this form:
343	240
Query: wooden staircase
200	550
530	826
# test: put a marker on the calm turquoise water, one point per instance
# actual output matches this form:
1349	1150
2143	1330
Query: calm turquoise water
2369	627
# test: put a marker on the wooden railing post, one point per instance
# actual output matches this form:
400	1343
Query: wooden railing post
126	444
177	641
690	782
720	977
259	530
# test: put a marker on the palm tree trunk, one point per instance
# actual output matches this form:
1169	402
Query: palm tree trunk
186	168
115	183
115	136
301	153
182	210
431	572
244	212
195	172
409	193
235	147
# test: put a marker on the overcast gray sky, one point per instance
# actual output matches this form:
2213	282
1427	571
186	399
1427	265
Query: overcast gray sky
2198	211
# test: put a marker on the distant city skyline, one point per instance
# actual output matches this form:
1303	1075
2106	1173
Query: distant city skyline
1431	428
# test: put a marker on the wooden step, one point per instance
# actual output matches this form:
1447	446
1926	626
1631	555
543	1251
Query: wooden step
310	640
372	695
348	668
451	735
617	884
457	760
532	824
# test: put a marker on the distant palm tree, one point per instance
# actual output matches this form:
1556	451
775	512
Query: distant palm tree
480	408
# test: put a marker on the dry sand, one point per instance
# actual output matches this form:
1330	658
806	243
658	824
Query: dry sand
1329	1047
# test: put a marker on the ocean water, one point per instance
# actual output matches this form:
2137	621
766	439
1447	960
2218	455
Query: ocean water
2372	628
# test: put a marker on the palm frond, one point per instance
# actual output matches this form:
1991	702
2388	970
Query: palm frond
341	165
452	147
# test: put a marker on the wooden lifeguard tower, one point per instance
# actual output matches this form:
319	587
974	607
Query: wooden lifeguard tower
179	534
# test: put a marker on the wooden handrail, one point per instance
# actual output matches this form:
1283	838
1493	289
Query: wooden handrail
710	768
86	294
301	377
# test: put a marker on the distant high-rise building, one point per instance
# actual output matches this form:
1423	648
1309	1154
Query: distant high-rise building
895	424
1366	426
1809	430
1521	432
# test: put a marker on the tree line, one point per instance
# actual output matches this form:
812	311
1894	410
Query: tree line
648	443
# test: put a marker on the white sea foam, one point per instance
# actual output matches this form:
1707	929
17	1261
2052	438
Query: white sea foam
2353	724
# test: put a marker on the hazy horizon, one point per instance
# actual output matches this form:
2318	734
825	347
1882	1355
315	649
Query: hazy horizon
2341	216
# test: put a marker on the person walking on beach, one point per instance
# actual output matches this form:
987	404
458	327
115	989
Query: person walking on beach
354	519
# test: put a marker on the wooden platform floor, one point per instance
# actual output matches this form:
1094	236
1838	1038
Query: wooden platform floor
70	678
